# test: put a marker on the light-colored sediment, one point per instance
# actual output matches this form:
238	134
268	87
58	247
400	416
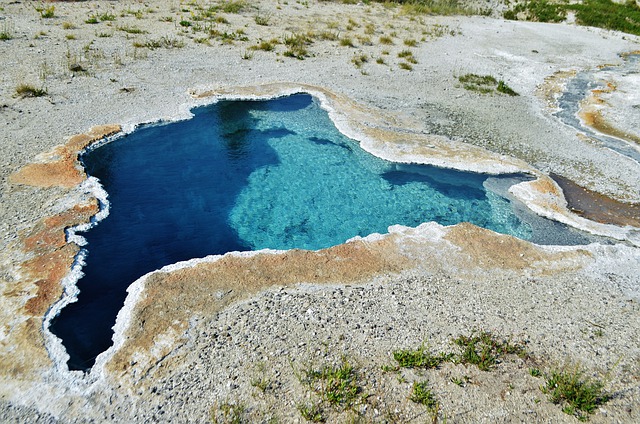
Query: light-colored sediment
192	336
614	108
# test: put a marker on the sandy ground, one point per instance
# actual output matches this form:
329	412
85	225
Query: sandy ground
572	306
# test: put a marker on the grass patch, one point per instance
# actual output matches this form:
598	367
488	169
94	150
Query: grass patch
406	66
386	40
161	43
420	358
624	17
233	6
410	42
433	7
338	385
420	393
262	20
579	395
505	89
485	84
107	17
28	90
232	413
47	12
346	42
132	30
228	37
296	44
484	350
312	412
6	33
359	60
538	11
606	14
266	46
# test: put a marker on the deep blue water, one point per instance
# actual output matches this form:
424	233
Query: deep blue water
249	175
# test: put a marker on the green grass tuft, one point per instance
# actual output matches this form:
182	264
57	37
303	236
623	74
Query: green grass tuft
420	393
484	350
624	17
312	412
420	358
485	84
27	90
578	394
337	385
505	89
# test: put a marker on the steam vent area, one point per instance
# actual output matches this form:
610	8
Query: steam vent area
320	211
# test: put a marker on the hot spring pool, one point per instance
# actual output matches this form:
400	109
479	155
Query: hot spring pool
248	175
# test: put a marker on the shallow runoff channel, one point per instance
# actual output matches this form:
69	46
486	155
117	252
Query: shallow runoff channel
251	175
579	88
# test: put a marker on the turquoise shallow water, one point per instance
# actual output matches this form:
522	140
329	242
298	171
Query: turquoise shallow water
251	175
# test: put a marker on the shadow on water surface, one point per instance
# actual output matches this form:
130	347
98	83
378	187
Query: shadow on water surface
252	175
182	217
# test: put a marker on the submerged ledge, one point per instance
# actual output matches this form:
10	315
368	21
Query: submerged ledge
375	255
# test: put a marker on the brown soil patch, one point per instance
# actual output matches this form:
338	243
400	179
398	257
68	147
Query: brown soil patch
490	250
597	207
63	170
53	256
171	299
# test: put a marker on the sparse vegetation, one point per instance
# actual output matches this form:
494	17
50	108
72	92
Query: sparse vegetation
337	385
484	349
605	14
7	31
228	413
162	42
28	90
535	372
420	393
420	358
46	12
131	30
346	42
406	66
385	39
505	89
262	20
312	412
434	7
265	45
485	84
359	60
410	42
107	17
233	6
296	44
579	394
